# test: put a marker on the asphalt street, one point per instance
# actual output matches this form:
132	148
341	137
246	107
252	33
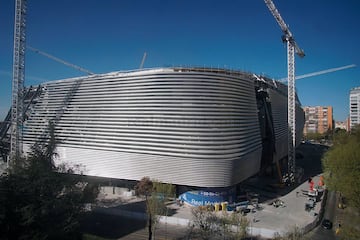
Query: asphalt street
320	233
119	227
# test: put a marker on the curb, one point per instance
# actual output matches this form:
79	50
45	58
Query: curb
318	218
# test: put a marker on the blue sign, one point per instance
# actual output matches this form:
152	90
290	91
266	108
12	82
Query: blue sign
208	197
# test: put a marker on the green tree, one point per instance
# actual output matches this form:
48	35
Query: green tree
342	166
40	200
314	136
156	195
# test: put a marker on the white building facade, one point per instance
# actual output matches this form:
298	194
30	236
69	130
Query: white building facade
354	106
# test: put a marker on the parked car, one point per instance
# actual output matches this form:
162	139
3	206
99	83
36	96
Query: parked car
327	224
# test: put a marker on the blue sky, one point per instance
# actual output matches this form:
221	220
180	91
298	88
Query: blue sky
112	35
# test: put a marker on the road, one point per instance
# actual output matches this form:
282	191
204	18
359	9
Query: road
319	233
119	227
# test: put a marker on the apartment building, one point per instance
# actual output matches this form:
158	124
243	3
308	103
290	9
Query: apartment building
318	119
341	125
354	106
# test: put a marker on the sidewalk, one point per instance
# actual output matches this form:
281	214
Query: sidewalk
269	220
264	222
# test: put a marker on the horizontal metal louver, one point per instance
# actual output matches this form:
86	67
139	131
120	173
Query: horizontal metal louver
197	128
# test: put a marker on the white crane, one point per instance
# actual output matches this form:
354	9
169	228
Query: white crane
292	48
142	61
60	60
17	99
17	94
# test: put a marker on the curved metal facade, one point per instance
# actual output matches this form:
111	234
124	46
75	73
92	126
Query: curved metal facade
279	115
187	127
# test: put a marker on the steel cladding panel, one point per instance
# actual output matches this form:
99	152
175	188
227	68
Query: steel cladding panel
279	113
190	128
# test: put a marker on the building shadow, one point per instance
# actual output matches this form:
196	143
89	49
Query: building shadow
268	188
110	226
117	221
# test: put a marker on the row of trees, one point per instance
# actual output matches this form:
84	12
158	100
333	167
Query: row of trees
328	135
341	165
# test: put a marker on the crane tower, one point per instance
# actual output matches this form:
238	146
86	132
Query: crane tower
17	100
292	48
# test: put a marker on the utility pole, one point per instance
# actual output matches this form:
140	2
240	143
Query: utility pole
292	48
17	101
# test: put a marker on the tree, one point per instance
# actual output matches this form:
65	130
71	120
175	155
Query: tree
342	166
294	234
207	224
144	188
241	223
40	200
314	136
156	194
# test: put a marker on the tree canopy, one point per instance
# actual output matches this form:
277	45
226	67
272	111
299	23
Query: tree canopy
40	200
342	165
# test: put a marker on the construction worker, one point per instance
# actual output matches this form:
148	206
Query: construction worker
321	181
337	231
311	183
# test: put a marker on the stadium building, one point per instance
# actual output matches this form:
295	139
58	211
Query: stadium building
196	127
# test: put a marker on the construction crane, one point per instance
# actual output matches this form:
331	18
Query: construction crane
319	72
142	61
17	94
60	60
17	99
292	48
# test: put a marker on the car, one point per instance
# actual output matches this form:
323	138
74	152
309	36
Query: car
327	224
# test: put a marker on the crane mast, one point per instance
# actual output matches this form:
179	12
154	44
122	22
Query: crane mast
292	48
17	100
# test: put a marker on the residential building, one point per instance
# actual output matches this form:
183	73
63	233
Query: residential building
354	106
341	125
318	119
